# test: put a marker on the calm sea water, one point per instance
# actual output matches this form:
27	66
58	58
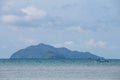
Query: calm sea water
36	69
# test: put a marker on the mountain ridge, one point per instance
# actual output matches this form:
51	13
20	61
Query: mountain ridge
44	51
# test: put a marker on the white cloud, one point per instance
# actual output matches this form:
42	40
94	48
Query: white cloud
9	18
29	41
93	44
76	28
101	44
65	44
68	43
33	13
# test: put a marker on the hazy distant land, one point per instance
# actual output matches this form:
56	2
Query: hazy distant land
44	51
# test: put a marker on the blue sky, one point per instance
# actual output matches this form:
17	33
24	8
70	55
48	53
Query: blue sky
84	25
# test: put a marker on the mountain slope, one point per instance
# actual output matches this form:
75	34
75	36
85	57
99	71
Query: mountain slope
44	51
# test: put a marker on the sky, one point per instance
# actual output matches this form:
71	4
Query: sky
83	25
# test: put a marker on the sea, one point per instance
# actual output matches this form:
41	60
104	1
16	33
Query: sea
59	69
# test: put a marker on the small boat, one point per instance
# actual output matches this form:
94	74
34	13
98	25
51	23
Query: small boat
102	60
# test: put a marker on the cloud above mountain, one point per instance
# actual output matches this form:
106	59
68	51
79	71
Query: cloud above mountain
32	12
92	44
92	15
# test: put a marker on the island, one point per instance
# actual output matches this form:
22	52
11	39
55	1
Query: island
44	51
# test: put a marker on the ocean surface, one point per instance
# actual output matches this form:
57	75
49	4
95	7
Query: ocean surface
59	69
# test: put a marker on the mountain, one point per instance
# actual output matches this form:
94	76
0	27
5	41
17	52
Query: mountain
44	51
